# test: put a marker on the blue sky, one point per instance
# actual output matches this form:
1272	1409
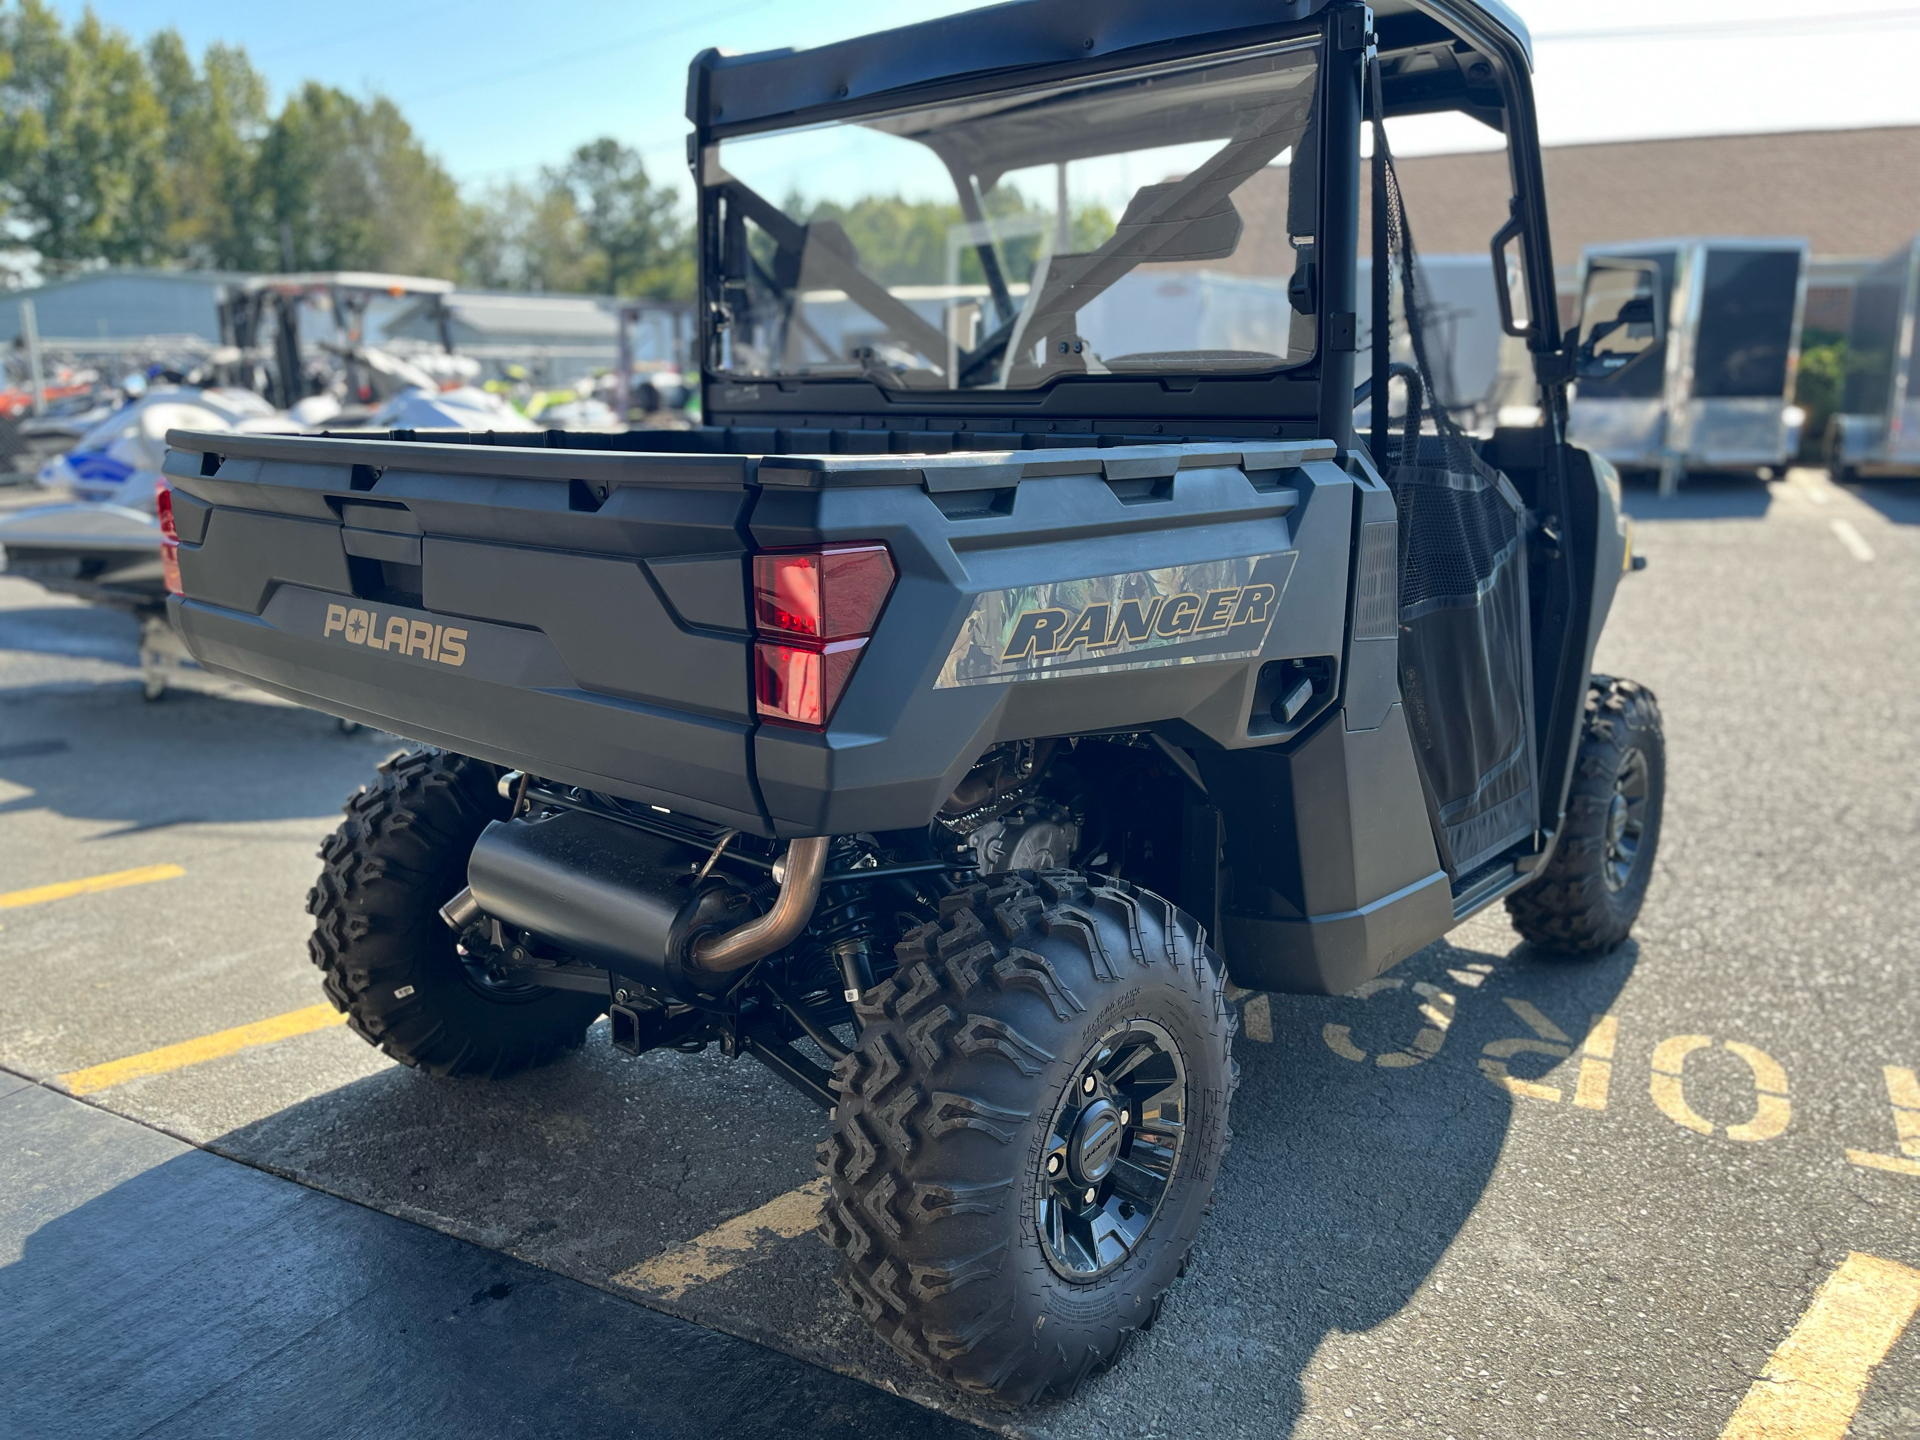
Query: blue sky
497	89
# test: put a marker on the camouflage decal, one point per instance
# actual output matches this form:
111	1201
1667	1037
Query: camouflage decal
1181	615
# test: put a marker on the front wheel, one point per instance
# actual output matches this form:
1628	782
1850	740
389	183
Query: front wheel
1029	1130
1591	892
390	961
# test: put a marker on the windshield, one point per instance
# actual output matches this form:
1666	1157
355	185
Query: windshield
1144	223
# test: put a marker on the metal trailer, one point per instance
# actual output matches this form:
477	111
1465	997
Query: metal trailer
1715	393
1877	428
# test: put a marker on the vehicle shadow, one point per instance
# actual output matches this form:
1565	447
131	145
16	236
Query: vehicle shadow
94	632
200	1298
1347	1182
1896	500
592	1165
1349	1178
100	753
1701	497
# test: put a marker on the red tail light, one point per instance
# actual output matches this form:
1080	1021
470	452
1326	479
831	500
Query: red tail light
815	610
169	537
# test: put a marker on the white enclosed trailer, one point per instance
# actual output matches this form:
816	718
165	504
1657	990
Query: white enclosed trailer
1877	428
1714	393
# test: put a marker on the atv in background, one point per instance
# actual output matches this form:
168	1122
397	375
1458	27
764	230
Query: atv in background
1010	661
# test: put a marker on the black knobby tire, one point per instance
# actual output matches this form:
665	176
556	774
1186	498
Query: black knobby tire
947	1108
388	957
1590	894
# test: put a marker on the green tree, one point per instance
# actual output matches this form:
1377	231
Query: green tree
216	117
899	242
1819	385
904	242
344	185
115	152
635	237
524	237
82	141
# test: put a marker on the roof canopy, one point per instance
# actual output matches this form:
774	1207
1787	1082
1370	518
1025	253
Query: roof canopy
373	281
731	91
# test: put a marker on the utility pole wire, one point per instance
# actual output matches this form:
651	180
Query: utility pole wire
588	52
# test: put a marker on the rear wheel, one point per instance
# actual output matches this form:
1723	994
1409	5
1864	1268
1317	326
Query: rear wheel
390	961
1590	895
1029	1130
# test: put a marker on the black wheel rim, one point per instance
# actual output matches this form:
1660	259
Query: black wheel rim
1626	819
1112	1150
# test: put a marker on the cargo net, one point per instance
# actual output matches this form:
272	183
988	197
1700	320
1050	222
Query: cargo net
1465	661
1454	539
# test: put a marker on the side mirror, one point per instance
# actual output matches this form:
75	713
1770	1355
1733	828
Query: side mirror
1623	316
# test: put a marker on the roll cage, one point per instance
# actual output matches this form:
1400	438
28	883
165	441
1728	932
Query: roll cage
1434	55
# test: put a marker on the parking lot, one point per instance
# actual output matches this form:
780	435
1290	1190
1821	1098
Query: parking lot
1497	1195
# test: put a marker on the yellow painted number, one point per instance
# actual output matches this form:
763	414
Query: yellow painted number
1596	1057
1548	1039
1903	1093
1436	1008
1772	1110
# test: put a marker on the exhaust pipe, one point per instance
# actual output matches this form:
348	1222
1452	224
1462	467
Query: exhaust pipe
716	954
461	911
632	901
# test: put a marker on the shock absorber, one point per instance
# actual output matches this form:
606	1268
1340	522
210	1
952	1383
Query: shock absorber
842	922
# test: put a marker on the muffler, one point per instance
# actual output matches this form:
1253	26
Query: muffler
635	902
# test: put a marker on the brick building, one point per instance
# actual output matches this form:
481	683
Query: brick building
1854	195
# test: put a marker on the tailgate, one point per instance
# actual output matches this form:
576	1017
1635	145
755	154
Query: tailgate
579	615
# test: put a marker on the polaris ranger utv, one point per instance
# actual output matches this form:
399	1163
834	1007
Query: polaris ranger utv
1026	651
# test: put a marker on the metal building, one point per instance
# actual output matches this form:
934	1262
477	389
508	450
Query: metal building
557	338
118	304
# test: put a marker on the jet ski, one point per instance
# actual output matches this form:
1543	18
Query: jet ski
105	553
466	407
104	546
118	460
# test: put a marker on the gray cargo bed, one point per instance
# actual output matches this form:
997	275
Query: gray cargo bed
583	614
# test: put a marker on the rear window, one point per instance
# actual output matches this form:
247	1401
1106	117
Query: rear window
1142	223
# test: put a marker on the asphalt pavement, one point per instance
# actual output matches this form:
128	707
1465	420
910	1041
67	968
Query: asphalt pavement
1498	1195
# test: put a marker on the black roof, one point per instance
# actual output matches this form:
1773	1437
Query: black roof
744	90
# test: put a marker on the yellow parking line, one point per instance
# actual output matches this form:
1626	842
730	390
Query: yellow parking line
40	894
207	1047
1256	1019
727	1246
1812	1384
